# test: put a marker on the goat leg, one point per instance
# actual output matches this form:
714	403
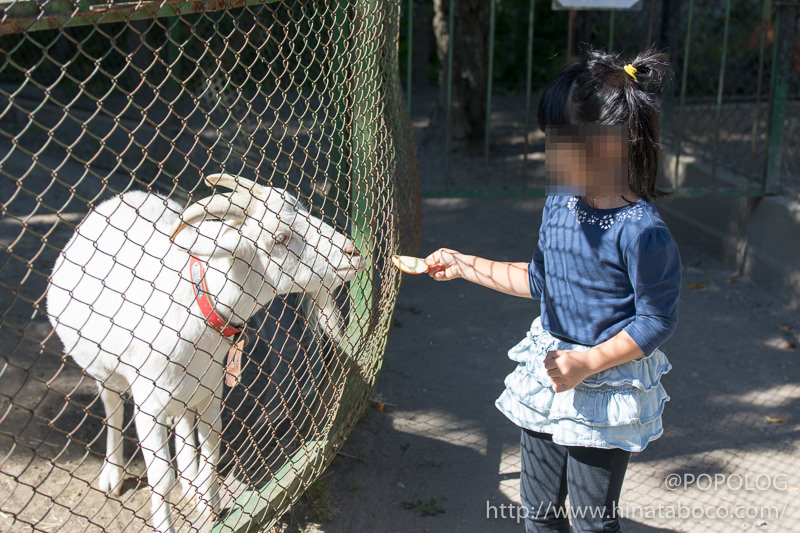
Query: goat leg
186	454
110	480
209	429
153	435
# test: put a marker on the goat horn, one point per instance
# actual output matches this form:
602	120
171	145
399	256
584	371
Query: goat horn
236	183
215	207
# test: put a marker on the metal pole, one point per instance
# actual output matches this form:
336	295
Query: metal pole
365	78
489	76
785	22
449	102
766	14
720	88
684	76
528	89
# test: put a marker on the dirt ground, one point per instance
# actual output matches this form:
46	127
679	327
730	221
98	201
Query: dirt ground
441	458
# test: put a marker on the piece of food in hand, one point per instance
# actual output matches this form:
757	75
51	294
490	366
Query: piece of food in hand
410	265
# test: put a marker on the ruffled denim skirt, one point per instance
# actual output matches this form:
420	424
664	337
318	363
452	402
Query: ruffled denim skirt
618	408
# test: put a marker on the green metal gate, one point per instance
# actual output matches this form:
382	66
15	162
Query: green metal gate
729	123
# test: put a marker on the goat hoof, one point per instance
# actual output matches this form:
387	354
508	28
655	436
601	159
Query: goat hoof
110	480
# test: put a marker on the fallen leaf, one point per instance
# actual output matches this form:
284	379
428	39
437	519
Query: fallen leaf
379	407
697	286
785	327
790	345
731	281
775	419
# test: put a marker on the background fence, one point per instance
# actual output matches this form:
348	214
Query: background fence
99	99
729	121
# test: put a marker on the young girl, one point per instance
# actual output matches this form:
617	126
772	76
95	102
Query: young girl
606	269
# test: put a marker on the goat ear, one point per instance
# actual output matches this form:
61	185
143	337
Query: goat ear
210	240
215	207
193	241
236	183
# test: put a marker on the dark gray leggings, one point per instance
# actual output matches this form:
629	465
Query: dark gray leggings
592	477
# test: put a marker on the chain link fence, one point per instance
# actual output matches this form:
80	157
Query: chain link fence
199	201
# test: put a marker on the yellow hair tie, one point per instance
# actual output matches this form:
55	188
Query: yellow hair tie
631	70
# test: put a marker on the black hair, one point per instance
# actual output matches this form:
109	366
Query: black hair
598	90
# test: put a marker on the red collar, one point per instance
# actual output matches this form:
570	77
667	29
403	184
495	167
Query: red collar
204	302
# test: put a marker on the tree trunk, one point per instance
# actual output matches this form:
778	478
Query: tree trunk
470	63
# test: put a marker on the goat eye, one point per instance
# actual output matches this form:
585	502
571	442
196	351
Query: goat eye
282	237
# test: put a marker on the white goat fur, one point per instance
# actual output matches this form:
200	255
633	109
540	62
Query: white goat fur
121	300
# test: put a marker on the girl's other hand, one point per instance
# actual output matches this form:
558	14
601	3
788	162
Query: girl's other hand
567	368
444	265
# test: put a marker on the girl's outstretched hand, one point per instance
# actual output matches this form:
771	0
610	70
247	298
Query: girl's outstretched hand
567	368
444	265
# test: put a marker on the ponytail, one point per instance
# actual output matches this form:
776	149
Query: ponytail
601	89
652	70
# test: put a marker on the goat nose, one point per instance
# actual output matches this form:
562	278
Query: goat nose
350	249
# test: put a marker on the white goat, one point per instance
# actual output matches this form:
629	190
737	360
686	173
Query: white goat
122	300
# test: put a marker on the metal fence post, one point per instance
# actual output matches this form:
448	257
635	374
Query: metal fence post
720	88
766	15
489	76
365	121
528	91
785	22
682	103
449	103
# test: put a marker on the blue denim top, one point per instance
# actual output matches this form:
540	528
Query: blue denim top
599	271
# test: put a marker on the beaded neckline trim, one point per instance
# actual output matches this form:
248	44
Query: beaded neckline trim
599	218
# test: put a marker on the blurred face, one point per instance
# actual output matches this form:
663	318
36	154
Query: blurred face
587	159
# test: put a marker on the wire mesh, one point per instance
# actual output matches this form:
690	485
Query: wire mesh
267	140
